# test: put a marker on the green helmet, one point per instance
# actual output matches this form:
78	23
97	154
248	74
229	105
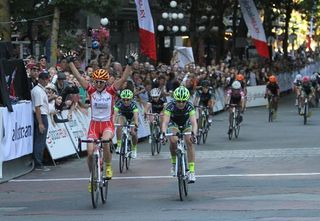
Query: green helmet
181	94
126	94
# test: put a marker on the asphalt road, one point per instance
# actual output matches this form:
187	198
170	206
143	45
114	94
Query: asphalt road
270	173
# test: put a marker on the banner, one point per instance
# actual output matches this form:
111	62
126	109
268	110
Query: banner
255	96
183	56
1	134
146	29
58	141
253	22
17	137
77	127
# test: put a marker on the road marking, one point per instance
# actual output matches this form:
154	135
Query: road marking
167	177
248	153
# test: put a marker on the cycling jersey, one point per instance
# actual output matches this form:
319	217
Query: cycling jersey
179	116
204	97
157	106
297	83
101	103
273	88
235	96
126	110
307	89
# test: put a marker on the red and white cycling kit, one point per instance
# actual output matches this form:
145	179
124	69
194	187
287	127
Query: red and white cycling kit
101	111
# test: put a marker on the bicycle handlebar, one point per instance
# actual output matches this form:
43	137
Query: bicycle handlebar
96	141
154	114
178	134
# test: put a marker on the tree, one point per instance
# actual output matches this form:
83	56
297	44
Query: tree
5	30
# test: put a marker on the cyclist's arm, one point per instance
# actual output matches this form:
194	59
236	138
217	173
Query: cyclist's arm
165	121
193	121
127	72
115	113
136	116
77	75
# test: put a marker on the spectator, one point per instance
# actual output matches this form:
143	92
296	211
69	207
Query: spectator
61	83
43	63
41	110
33	71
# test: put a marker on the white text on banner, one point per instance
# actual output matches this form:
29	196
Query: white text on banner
17	137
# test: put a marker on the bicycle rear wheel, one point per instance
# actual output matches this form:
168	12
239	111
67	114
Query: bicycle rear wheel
153	141
185	180
128	157
94	183
157	139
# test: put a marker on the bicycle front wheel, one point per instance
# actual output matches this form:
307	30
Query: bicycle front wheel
230	132
104	190
305	116
94	182
180	177
122	156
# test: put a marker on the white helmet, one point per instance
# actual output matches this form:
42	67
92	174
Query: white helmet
236	85
298	77
313	77
155	92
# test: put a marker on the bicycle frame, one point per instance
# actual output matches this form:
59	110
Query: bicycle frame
126	133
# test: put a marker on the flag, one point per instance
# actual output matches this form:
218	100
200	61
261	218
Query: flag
253	22
146	29
11	87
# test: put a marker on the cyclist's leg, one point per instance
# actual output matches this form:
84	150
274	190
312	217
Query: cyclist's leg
173	146
108	134
93	133
191	155
120	120
134	138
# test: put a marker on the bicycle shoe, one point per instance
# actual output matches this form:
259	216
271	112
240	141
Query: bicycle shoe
173	170
134	154
89	187
191	178
109	173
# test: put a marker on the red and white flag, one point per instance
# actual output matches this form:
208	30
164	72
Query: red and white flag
253	22
146	29
12	91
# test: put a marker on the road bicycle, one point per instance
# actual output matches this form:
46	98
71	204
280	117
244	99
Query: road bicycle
203	124
98	181
305	108
181	170
154	138
271	107
234	123
126	145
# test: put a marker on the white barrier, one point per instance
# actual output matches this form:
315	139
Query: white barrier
59	141
1	134
17	139
255	96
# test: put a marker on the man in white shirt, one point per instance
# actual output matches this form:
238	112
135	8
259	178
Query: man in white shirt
40	105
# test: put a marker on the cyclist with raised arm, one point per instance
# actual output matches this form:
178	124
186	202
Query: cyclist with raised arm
180	113
273	90
126	110
101	101
235	96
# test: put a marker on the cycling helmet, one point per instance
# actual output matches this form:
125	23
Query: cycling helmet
205	83
305	79
100	74
155	92
236	85
313	77
239	77
272	79
126	94
181	94
298	77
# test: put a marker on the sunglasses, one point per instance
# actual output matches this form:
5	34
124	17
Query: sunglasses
99	82
126	100
181	102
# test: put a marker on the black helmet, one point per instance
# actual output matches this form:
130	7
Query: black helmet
205	83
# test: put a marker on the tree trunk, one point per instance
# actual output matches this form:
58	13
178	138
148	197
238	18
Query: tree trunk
193	31
5	29
286	31
54	36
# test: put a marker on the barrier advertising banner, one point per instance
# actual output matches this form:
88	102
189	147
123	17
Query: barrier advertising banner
255	96
17	137
59	142
1	134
